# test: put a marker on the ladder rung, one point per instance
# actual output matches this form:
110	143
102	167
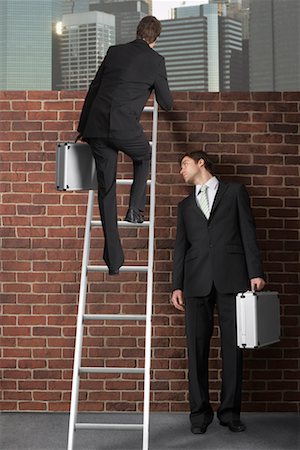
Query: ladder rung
110	370
148	109
126	182
108	426
114	317
122	269
122	223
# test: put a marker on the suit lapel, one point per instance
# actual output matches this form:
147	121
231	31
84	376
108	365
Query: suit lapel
220	192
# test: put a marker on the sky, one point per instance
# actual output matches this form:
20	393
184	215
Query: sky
162	8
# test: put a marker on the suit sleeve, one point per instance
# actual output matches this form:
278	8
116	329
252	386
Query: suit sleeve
161	88
180	248
92	92
248	233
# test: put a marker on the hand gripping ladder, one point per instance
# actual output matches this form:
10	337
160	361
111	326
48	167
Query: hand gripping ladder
82	317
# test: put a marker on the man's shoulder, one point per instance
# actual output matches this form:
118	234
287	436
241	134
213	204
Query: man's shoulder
186	201
138	47
234	186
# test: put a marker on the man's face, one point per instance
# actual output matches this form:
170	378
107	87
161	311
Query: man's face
189	169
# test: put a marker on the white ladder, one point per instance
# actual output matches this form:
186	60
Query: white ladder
82	317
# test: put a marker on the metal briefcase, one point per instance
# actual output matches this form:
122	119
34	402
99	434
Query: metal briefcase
258	319
75	167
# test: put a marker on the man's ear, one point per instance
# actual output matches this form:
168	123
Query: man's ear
201	162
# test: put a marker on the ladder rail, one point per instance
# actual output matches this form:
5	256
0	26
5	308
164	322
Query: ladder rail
146	410
79	328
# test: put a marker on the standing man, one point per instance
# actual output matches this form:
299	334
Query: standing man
216	256
109	122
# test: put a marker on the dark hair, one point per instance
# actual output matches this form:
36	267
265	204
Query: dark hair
148	29
196	156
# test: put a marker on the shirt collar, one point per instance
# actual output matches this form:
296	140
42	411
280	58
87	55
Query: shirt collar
212	183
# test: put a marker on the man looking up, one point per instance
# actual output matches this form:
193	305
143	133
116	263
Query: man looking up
216	256
109	122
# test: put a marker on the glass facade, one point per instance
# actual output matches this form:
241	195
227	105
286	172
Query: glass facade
85	40
127	14
26	44
211	13
183	43
274	45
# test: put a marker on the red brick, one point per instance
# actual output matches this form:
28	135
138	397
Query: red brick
57	126
26	106
12	136
58	105
12	95
42	95
20	126
219	106
283	106
42	136
235	117
42	115
251	106
235	95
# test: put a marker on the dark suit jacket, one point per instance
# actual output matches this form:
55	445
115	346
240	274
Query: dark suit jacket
222	250
117	95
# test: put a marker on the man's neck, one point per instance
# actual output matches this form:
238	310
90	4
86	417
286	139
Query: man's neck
203	178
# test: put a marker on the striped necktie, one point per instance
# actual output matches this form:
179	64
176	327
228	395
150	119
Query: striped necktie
203	200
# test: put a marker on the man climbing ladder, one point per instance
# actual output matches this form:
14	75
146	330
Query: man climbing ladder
109	122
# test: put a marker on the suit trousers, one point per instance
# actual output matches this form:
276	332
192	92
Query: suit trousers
199	329
105	151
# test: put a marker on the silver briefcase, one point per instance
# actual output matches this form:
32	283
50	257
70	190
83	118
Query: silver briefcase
258	319
75	167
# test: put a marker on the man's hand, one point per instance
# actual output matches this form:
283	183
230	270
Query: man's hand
79	138
177	299
257	284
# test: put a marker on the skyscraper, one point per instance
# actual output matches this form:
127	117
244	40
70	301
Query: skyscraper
85	39
274	45
26	43
183	43
231	55
128	13
212	47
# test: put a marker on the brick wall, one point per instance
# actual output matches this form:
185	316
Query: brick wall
255	139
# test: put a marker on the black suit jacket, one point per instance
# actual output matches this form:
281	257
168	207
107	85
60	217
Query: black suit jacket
120	90
222	250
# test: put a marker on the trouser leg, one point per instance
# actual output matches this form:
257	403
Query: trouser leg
106	166
141	171
139	151
199	328
232	364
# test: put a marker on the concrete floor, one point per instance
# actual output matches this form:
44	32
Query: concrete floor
48	431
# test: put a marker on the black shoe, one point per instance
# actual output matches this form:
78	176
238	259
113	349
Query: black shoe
134	216
201	429
234	425
113	271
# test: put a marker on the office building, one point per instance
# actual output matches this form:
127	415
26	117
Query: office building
274	45
183	43
214	48
85	39
232	77
127	14
26	50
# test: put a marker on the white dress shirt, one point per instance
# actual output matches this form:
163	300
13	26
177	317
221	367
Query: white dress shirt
212	184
